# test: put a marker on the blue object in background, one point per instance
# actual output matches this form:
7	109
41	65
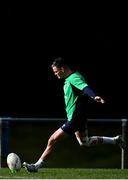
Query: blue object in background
5	138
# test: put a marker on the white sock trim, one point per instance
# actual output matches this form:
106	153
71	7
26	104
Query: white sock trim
39	163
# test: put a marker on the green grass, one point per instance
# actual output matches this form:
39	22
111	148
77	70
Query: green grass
66	173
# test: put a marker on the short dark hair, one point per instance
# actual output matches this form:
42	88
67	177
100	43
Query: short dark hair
59	62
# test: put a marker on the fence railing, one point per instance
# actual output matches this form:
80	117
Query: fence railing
4	135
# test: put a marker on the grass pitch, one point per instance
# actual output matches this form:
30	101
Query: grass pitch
66	173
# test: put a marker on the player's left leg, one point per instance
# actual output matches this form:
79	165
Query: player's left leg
56	136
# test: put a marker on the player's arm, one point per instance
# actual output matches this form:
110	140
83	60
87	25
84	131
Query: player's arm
80	83
89	92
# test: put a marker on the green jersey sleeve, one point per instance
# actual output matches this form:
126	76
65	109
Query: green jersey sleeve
77	80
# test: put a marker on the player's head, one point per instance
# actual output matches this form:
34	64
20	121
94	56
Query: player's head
60	67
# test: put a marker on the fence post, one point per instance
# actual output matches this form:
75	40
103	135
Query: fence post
124	152
5	139
0	139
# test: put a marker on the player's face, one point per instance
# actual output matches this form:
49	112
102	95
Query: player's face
59	72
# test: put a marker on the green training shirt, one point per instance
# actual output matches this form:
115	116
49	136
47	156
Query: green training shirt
73	81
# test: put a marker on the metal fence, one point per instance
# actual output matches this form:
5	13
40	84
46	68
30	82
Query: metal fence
4	124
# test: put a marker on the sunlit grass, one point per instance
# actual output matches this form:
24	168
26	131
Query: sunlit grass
66	173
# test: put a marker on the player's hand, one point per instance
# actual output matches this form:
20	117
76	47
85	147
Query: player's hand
99	99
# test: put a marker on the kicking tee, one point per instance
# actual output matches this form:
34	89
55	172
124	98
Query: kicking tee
73	83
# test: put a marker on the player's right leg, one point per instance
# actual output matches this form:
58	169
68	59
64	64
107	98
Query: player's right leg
47	152
82	137
120	142
84	140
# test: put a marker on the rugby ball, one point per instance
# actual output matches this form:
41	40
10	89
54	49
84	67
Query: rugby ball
13	162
